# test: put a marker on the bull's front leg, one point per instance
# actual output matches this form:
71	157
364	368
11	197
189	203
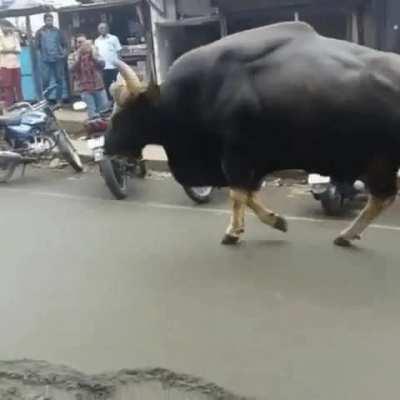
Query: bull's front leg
264	214
236	226
372	210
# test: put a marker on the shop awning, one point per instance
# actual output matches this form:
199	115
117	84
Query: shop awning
23	8
97	5
233	6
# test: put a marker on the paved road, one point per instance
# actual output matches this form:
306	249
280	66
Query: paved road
103	285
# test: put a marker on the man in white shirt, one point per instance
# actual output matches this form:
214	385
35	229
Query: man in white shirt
108	47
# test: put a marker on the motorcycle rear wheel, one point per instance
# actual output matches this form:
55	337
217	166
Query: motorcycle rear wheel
332	202
200	195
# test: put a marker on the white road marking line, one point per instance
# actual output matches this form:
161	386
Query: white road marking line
177	207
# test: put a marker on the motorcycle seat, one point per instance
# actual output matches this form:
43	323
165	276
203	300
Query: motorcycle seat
11	119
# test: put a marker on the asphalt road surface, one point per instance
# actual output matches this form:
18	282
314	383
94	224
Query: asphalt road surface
101	285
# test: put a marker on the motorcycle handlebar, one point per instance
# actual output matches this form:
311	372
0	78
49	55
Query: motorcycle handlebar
22	104
48	90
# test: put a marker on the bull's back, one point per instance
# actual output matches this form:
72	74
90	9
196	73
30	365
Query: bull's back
303	94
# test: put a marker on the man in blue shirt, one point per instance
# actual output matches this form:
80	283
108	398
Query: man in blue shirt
53	49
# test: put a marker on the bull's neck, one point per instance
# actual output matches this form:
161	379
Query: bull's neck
156	128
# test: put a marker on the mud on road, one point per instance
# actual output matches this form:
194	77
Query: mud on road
39	380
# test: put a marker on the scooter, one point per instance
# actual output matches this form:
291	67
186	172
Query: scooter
334	195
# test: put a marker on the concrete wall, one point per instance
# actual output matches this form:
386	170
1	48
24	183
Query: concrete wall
392	28
161	44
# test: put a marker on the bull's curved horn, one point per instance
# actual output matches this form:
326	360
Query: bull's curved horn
119	91
127	85
133	83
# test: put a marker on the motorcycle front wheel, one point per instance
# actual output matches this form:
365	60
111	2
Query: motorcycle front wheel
115	176
68	151
199	194
7	169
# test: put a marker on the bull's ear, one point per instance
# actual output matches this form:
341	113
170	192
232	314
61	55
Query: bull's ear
153	92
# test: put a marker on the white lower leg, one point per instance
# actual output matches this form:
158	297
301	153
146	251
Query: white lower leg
372	210
264	214
236	226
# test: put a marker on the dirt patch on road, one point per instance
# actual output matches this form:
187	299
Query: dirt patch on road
39	380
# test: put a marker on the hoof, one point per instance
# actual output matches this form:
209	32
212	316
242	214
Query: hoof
230	240
281	224
342	242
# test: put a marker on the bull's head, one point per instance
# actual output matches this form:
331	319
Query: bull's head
133	124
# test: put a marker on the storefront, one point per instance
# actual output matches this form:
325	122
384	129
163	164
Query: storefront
179	26
127	21
185	24
179	37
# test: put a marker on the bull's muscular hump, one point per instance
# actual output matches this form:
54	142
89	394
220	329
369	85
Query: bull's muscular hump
283	97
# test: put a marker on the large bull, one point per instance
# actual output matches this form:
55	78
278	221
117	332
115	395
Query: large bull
277	97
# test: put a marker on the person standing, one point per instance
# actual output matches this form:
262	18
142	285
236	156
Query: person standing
87	72
10	65
109	49
53	49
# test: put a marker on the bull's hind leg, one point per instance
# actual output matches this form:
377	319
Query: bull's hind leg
236	227
382	181
264	214
372	210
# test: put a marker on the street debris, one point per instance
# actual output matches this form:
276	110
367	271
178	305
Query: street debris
56	163
158	176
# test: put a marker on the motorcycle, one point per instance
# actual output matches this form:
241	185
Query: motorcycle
30	134
333	195
117	170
